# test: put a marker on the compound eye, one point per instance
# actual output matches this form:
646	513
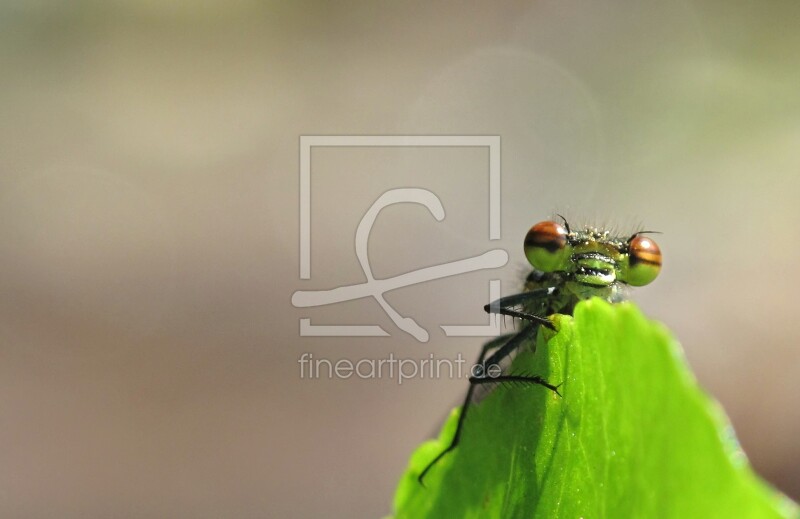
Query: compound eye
546	246
644	261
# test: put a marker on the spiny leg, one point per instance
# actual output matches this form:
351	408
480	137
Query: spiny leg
516	378
505	306
517	299
514	341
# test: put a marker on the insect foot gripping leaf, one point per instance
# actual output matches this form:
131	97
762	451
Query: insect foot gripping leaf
632	436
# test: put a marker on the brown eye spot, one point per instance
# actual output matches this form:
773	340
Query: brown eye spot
644	251
549	236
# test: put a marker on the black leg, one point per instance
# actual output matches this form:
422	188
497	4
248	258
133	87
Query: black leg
510	345
504	306
508	348
525	379
516	299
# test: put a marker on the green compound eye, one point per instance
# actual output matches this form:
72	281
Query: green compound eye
546	246
644	261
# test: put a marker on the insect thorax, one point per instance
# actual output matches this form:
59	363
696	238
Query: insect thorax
568	292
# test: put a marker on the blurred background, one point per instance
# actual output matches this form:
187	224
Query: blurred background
149	227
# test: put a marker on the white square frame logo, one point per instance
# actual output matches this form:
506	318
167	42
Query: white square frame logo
490	259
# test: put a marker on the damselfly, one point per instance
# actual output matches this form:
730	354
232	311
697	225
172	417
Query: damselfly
568	266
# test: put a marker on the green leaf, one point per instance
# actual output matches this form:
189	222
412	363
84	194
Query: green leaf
632	436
